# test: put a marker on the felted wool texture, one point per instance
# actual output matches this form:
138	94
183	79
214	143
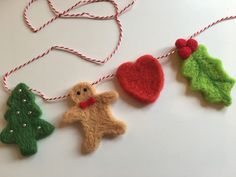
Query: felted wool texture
186	47
96	119
184	52
143	79
193	44
180	43
24	126
208	76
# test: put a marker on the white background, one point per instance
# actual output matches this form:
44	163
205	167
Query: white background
180	135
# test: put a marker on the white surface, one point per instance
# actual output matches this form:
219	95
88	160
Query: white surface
178	136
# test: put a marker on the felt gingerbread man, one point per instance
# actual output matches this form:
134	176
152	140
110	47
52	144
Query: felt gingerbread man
93	112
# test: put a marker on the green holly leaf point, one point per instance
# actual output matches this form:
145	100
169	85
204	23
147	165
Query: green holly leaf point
207	75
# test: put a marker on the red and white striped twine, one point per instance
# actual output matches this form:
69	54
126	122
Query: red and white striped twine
65	14
88	15
232	17
82	15
39	93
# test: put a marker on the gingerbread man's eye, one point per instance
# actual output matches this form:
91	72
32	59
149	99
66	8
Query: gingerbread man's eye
85	90
78	93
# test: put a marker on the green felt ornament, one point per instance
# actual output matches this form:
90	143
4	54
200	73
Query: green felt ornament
206	75
24	126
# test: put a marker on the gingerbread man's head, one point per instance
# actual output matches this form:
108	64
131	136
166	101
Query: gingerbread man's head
82	92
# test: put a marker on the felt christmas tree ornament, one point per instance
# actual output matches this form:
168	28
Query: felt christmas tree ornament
24	126
206	74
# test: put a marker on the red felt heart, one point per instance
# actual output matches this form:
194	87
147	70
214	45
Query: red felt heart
143	79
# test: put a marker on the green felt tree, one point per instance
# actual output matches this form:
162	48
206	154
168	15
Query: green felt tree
207	75
24	126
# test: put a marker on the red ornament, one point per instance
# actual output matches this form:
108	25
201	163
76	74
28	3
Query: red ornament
193	44
143	79
180	43
184	52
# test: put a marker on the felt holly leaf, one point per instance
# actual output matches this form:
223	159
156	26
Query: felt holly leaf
24	126
206	75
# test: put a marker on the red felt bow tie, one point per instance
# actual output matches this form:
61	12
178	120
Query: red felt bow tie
88	102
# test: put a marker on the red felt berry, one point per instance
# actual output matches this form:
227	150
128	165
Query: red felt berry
184	52
180	43
193	44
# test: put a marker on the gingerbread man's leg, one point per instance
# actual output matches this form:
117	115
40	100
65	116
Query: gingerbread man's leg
114	128
91	141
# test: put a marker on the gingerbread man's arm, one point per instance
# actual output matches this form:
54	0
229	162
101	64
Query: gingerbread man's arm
107	97
74	114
